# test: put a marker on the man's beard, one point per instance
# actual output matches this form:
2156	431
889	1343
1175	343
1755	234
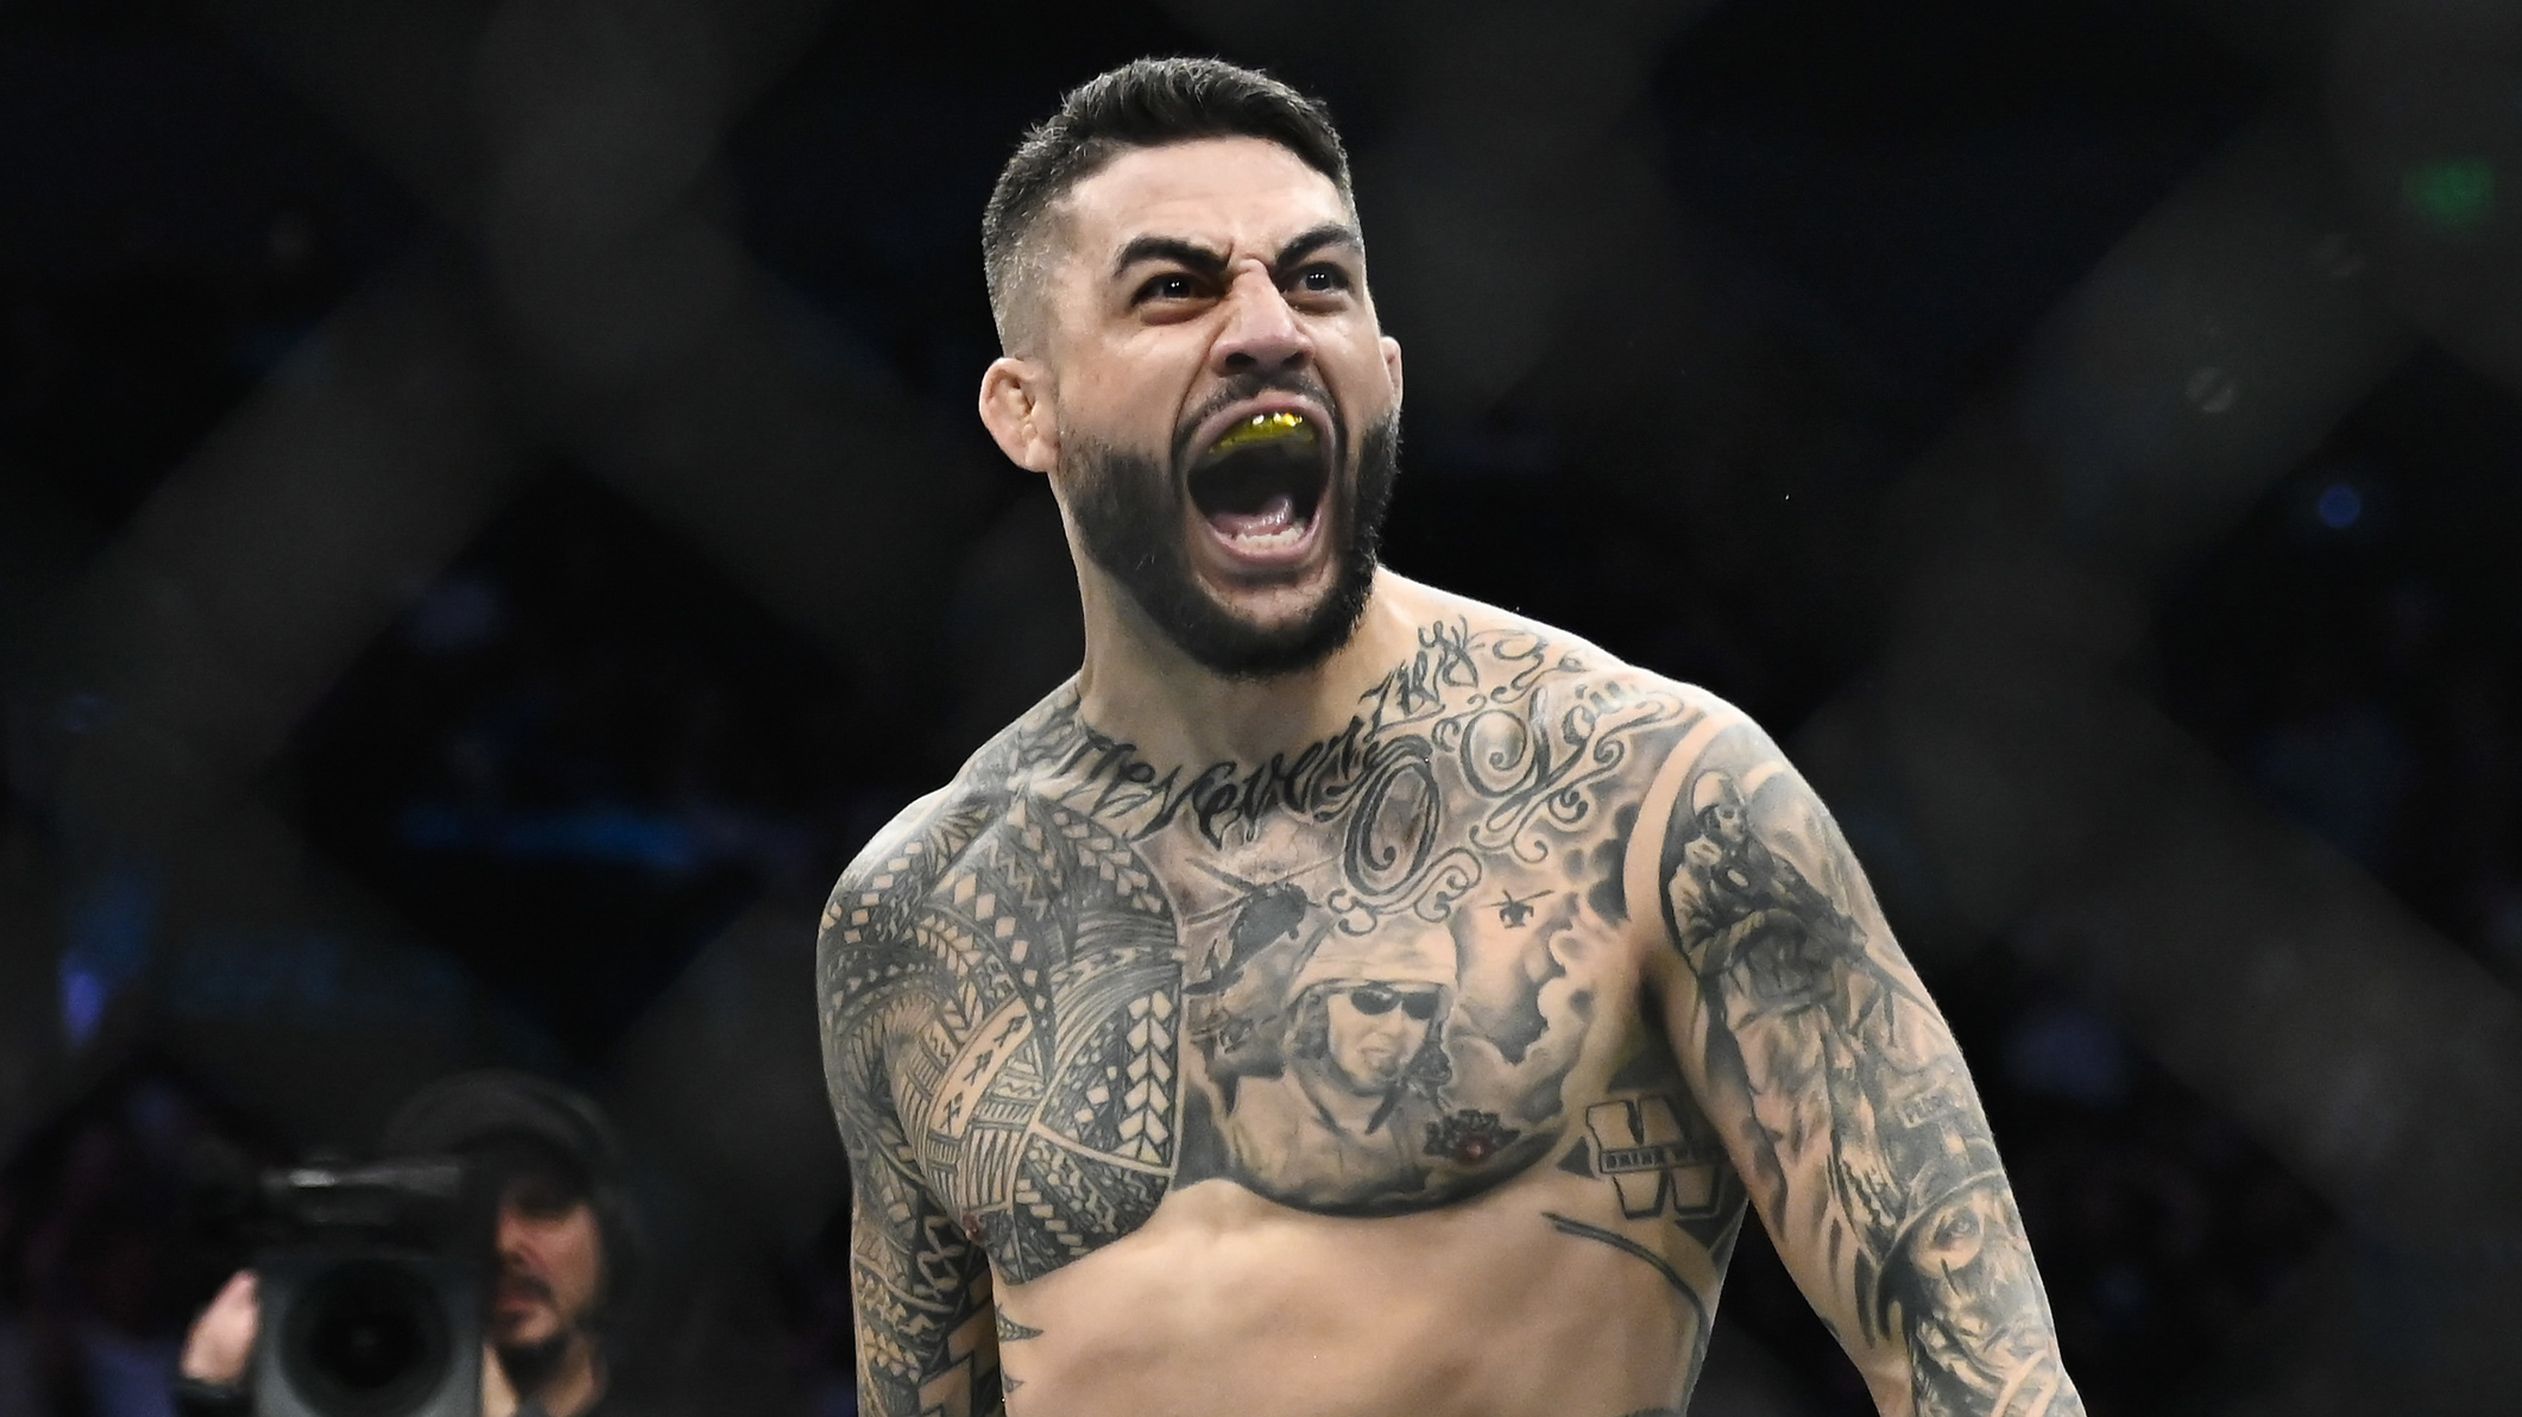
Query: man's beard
1130	511
531	1365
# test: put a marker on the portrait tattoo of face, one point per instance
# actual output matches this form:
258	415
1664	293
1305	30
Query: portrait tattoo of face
1374	1032
1131	511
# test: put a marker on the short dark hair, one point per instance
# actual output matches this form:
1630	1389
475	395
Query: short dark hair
1146	103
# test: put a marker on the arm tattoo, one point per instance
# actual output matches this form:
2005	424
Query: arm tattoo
1010	1331
1883	1164
920	1284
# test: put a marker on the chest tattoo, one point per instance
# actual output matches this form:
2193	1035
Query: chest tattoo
1354	979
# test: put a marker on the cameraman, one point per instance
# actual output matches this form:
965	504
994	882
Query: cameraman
564	1251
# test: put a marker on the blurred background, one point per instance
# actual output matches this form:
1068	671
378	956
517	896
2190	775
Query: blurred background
491	518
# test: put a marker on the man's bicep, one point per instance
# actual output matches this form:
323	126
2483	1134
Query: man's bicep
920	1293
1738	974
1837	1084
919	1286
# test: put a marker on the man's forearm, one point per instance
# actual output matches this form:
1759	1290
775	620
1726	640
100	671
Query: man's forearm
1971	1319
1950	1309
1945	1282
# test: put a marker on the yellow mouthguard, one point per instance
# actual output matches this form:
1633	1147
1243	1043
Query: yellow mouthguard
1262	428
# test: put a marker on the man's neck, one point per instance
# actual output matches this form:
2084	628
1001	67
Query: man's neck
1137	686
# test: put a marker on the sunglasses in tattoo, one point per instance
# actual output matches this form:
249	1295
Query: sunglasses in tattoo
1419	1004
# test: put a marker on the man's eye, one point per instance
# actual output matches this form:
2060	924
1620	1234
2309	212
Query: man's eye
1168	287
1322	280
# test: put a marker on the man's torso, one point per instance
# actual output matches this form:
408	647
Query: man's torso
1326	1086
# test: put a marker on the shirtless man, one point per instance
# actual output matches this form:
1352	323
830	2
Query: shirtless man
1343	998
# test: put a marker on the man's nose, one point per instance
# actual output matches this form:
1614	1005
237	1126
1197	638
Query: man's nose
508	1233
1262	330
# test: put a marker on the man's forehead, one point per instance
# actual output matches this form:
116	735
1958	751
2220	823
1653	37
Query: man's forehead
1234	194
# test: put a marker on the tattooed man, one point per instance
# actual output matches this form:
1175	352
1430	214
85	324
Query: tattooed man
1341	997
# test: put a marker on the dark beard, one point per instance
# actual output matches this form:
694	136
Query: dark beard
1129	511
530	1365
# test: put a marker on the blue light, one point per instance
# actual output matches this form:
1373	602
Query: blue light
83	1000
2340	506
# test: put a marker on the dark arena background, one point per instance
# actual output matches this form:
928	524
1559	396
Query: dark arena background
492	516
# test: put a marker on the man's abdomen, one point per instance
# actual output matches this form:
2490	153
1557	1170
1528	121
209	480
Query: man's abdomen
1553	1296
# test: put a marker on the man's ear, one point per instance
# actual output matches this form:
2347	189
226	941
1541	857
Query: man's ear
1392	367
1017	407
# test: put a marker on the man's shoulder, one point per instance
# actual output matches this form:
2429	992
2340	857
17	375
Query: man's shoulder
915	851
1518	650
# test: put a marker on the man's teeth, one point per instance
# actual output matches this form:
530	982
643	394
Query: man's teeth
1275	525
1263	428
1287	535
1265	522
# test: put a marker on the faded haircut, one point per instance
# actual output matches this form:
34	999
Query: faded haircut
1147	103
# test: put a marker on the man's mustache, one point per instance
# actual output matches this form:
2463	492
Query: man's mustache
516	1281
1252	384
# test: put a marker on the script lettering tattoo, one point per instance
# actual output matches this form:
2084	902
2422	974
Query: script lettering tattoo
1221	800
1882	1158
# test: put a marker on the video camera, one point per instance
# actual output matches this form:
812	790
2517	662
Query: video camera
371	1280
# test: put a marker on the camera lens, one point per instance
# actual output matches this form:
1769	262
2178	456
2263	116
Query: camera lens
368	1339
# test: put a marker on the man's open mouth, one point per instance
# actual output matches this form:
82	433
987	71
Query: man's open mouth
1261	483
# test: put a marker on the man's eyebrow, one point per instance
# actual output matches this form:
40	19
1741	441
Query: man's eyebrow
1168	248
1330	233
1207	262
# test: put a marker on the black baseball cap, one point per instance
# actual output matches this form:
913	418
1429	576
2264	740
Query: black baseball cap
480	1111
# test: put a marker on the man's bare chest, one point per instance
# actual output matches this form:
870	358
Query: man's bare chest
1389	979
1119	1019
